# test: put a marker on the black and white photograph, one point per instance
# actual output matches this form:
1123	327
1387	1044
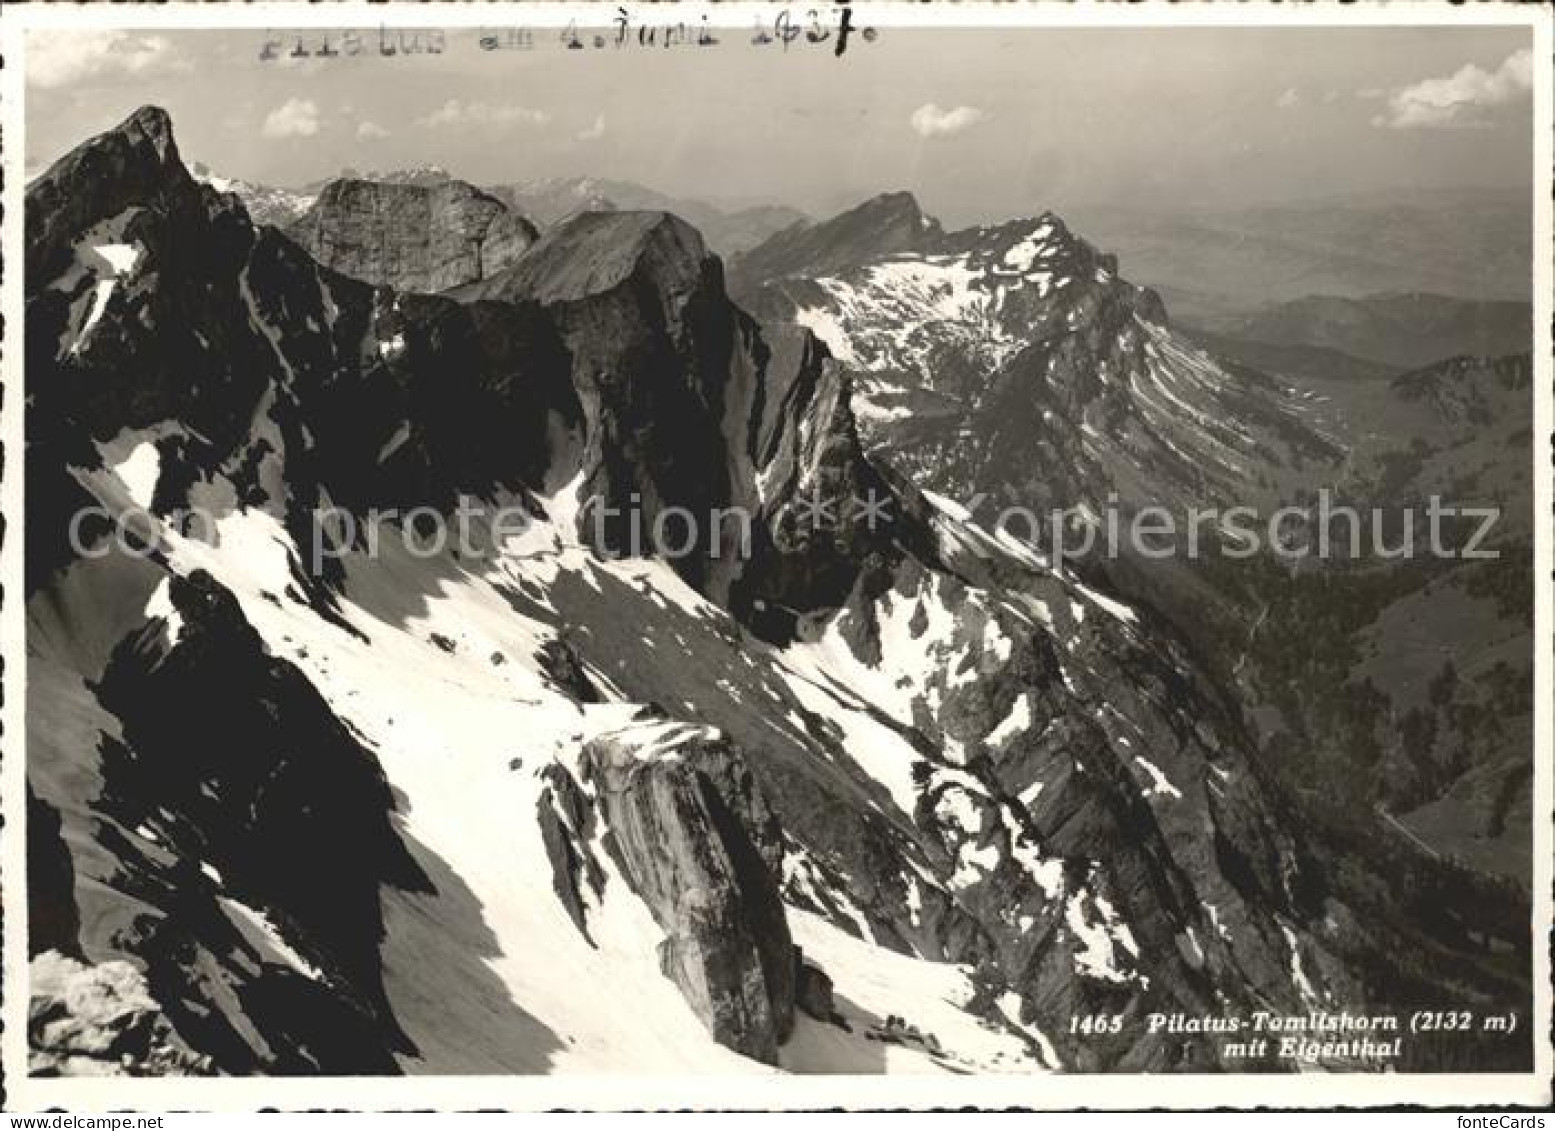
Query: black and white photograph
760	556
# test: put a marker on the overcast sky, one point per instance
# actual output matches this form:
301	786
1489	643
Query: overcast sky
980	124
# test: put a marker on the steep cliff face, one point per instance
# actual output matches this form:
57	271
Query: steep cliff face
684	813
670	375
279	800
979	795
239	873
412	237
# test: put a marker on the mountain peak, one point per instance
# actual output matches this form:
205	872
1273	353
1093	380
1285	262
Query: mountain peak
899	207
900	200
153	125
134	163
594	252
891	223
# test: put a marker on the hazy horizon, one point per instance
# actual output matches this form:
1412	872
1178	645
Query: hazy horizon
1157	120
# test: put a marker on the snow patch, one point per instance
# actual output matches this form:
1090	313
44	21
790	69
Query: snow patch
261	934
122	258
1298	973
161	605
874	983
1009	1004
1016	722
1101	936
1048	873
1159	785
1116	608
140	471
112	262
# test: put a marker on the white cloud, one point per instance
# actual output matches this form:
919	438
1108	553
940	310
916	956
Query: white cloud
1289	100
301	64
1460	99
457	113
298	117
67	56
370	131
929	120
594	132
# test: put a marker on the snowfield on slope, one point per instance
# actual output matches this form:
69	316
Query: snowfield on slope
490	975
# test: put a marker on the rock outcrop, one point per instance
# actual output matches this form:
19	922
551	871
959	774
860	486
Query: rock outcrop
670	374
689	825
568	824
412	236
813	990
100	1021
240	873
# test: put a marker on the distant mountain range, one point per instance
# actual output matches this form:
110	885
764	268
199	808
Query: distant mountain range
727	231
1213	263
1298	360
1450	265
1402	330
545	202
266	204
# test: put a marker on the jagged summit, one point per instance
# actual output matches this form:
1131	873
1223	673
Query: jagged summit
889	224
932	323
897	206
136	161
155	125
147	134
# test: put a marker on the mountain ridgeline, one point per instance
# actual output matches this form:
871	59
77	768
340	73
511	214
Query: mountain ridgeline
832	797
1009	364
